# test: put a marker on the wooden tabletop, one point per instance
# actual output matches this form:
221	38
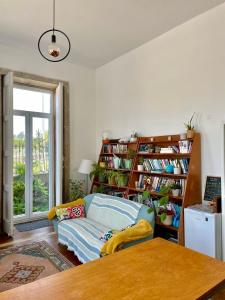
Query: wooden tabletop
156	269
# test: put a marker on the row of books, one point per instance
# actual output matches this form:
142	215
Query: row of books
155	184
159	165
117	148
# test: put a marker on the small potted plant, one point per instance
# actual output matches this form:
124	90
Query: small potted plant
165	212
175	189
130	156
177	168
121	179
133	137
140	165
190	128
99	172
111	175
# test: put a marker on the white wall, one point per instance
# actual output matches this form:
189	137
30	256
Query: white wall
156	87
82	95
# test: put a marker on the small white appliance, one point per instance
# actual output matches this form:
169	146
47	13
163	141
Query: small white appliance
203	232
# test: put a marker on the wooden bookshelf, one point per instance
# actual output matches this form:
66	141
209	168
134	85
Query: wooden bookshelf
192	192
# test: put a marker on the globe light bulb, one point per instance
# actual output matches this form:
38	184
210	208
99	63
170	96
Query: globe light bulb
53	48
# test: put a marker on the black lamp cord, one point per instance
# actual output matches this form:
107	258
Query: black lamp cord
53	16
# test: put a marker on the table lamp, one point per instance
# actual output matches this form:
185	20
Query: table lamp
85	168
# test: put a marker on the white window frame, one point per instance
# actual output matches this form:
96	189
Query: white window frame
29	115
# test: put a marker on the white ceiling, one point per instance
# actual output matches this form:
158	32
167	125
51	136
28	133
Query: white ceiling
100	30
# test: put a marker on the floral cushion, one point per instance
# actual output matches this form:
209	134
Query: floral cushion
72	212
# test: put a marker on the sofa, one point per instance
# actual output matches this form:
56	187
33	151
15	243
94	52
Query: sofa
103	213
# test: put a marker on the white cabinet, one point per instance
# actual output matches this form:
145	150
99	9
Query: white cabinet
203	232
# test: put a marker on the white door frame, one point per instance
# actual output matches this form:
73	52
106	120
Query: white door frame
29	115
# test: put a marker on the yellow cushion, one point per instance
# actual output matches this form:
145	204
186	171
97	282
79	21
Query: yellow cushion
52	212
140	230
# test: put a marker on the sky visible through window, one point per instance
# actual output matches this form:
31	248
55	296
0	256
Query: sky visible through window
30	100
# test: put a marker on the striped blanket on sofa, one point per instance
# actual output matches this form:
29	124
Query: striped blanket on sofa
82	236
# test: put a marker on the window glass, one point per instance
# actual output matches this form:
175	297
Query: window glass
28	100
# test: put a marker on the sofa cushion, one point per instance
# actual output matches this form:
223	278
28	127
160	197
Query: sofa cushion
114	212
82	236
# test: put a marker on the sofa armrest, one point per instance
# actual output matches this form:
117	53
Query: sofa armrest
141	230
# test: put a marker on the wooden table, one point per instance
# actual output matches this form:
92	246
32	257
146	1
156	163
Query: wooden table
153	270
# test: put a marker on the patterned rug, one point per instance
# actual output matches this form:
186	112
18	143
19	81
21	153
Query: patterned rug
26	263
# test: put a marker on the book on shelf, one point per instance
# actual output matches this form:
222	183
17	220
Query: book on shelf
114	148
159	165
167	150
155	184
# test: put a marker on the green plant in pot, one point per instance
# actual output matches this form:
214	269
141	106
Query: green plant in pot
76	189
111	176
140	166
175	189
130	156
98	172
165	211
121	179
190	128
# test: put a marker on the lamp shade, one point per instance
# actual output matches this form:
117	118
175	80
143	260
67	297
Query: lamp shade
85	166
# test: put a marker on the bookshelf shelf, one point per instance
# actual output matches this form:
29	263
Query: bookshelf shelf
120	170
190	164
162	174
166	155
166	226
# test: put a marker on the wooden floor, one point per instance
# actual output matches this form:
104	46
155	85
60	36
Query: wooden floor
47	234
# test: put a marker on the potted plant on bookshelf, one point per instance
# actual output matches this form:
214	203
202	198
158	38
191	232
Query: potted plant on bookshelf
175	189
165	210
111	175
140	165
133	137
190	128
121	179
99	172
130	156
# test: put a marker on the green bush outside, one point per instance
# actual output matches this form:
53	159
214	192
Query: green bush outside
40	192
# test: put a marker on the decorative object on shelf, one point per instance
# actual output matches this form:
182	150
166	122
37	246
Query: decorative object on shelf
54	52
105	137
177	170
76	189
102	164
177	167
157	149
140	166
190	128
183	136
169	169
116	162
133	137
85	168
176	189
124	140
99	172
130	156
